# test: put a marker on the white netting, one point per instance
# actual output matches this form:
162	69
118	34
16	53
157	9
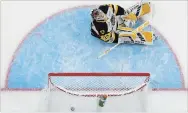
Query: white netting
78	92
96	85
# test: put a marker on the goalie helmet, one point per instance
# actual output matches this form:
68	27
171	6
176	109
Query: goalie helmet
98	15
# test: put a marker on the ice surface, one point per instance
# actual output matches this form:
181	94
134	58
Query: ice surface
66	45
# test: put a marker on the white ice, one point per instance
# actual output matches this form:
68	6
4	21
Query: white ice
19	17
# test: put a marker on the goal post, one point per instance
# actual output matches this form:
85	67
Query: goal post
86	91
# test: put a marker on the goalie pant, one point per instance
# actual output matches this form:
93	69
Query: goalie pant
110	33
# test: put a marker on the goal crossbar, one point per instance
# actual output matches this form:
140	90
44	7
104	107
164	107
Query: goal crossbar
99	74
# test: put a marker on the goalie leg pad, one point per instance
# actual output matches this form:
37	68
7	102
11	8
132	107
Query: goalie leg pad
147	36
143	9
127	37
138	12
144	37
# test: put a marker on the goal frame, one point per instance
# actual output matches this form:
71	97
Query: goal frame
97	74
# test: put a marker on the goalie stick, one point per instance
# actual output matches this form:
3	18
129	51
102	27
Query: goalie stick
138	29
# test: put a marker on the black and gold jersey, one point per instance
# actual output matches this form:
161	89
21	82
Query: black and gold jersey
103	29
117	10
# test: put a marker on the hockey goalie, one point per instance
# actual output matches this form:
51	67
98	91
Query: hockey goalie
113	24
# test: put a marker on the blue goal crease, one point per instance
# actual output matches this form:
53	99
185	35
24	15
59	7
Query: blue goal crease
66	45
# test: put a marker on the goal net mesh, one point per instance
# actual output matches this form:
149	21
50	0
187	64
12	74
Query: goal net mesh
93	84
69	92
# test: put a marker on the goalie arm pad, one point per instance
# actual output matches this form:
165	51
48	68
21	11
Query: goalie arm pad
116	9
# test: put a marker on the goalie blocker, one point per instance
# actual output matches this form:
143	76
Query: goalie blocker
113	24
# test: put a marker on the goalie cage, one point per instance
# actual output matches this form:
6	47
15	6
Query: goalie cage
81	92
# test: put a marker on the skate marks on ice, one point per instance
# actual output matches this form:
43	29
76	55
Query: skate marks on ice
65	45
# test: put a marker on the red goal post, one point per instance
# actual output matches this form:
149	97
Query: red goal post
96	84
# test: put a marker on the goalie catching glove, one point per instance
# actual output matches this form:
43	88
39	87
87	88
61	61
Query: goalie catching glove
113	24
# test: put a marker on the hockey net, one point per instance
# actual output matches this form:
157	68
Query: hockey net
94	84
82	92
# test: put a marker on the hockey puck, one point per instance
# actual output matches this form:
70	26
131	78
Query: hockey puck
72	108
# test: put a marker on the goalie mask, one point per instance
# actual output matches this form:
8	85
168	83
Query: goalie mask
98	15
